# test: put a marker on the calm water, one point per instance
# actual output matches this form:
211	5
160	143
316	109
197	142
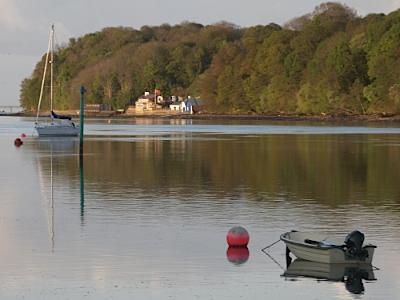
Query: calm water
147	215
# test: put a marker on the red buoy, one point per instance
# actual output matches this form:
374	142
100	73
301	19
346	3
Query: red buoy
23	135
18	142
238	237
237	255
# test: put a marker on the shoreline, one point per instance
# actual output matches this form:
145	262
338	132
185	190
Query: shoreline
381	118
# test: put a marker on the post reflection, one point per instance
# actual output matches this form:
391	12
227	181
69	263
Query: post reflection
81	183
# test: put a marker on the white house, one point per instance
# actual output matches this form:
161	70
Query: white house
146	102
191	105
176	106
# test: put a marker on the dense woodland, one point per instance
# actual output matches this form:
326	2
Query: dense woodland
329	61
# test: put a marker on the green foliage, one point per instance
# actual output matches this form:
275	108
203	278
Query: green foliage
383	70
327	61
118	64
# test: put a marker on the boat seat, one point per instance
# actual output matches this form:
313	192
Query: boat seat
323	243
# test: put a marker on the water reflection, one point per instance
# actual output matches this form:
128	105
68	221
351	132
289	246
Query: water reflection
82	181
156	210
350	274
237	255
60	145
334	170
50	151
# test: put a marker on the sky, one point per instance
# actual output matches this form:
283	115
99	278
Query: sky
24	24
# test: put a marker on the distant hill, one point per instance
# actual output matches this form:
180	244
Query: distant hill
328	61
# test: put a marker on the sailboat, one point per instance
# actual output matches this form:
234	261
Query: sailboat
59	125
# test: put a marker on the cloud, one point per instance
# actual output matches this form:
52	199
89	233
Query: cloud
10	17
394	4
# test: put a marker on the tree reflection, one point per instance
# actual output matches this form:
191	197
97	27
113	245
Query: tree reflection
330	169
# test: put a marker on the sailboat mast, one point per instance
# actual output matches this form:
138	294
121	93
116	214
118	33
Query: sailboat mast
51	67
43	79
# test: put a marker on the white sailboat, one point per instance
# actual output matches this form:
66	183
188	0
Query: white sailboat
58	125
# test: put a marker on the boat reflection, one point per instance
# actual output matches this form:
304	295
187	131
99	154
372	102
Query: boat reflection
67	145
352	275
52	155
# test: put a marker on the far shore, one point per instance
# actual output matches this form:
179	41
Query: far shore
381	117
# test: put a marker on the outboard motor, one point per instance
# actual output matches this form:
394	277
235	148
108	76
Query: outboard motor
354	245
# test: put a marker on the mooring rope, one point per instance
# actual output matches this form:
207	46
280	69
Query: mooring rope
274	243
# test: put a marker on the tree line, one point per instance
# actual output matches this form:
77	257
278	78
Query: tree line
328	61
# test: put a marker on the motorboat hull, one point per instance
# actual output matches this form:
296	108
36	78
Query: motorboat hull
328	254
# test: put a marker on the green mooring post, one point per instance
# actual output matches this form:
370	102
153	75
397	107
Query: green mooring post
81	114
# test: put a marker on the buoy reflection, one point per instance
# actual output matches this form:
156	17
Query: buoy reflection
238	255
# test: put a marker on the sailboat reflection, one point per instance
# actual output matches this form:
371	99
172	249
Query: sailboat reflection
60	145
352	275
58	149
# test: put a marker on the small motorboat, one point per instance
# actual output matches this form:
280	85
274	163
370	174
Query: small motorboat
321	248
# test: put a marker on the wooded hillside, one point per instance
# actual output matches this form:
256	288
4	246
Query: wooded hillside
328	61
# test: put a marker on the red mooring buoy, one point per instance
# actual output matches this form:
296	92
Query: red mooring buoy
238	237
18	142
23	135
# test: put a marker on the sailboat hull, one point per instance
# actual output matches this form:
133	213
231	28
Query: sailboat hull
57	130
